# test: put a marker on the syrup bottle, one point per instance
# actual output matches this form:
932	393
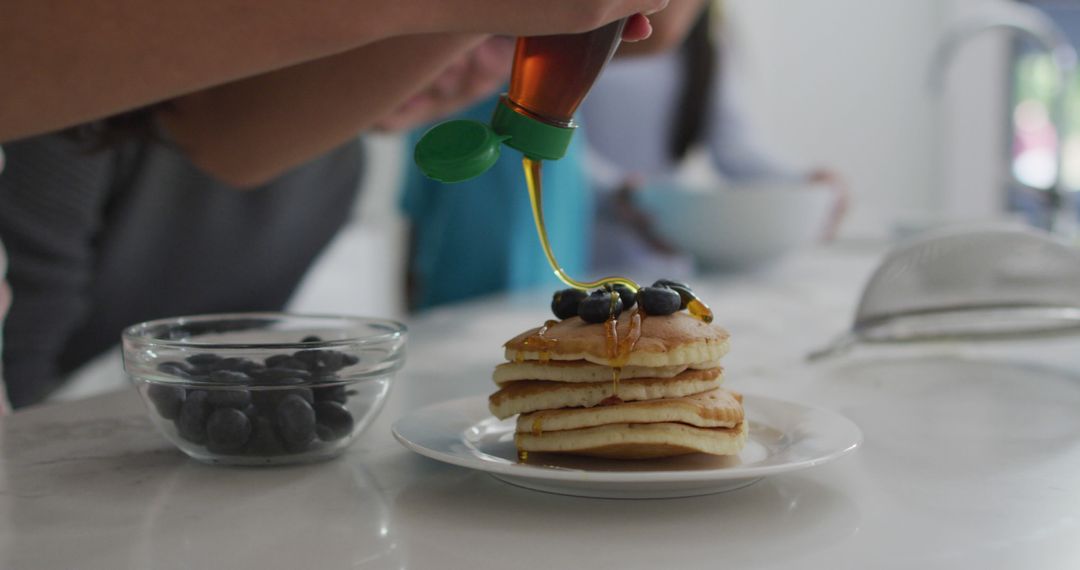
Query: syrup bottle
550	78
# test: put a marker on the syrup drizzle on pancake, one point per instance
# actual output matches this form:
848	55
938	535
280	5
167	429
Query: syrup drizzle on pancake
700	310
540	343
619	350
611	337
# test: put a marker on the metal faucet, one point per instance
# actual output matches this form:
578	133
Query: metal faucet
1025	21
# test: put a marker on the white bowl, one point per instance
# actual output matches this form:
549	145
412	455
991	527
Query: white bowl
729	228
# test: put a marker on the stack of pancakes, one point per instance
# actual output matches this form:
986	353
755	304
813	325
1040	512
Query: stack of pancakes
639	387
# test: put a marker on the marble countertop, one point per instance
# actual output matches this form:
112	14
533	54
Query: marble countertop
971	460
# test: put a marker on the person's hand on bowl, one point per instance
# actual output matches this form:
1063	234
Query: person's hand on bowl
629	213
839	186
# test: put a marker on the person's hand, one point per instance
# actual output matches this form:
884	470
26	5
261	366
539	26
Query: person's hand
637	28
640	221
471	78
668	29
842	198
5	304
529	17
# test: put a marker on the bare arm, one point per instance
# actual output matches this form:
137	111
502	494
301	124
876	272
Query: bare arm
63	62
248	132
466	81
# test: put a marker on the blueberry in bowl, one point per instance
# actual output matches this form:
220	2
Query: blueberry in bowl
263	388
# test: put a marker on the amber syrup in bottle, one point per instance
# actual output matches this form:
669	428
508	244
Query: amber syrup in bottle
552	74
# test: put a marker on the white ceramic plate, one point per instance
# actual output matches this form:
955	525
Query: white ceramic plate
784	436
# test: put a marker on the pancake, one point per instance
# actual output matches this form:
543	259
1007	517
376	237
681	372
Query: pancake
585	371
637	441
527	396
669	340
713	409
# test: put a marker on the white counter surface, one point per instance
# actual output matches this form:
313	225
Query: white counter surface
971	460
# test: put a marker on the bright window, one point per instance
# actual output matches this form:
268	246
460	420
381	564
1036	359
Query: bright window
1034	140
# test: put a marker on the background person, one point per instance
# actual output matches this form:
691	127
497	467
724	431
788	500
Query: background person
681	100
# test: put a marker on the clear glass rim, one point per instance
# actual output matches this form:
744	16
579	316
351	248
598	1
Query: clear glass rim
192	384
139	334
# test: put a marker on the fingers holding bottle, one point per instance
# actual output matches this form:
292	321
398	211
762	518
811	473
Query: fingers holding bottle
528	17
637	28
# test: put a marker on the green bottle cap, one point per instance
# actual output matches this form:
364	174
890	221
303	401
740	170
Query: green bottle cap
534	138
455	151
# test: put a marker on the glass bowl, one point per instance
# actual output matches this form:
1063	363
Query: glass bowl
263	388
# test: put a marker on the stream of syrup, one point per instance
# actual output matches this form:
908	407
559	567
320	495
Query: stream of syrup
533	169
534	183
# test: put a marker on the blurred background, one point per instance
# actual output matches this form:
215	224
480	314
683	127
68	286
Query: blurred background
926	112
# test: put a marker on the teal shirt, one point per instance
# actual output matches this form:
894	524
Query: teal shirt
477	237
